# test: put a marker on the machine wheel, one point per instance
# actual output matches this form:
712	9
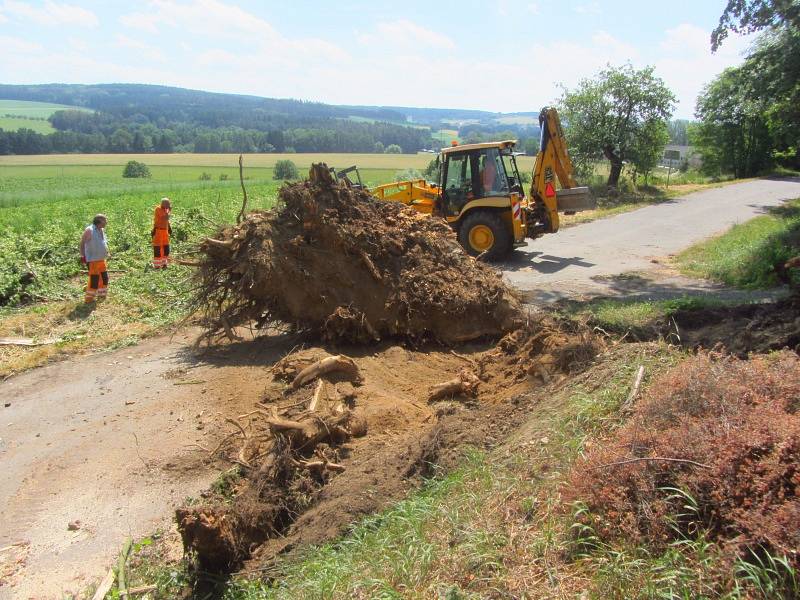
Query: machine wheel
485	232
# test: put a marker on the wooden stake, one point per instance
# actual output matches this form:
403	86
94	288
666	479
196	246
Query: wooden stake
104	586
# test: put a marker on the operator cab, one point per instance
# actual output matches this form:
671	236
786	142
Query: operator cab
477	171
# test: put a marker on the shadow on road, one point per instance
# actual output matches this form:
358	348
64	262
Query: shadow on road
541	263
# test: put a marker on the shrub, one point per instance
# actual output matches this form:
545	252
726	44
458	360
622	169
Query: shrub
736	418
205	176
285	169
134	168
223	177
393	149
407	175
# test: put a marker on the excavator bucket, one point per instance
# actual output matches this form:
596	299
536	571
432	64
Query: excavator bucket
575	200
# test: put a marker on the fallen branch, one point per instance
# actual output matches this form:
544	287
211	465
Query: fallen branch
142	589
318	394
466	383
122	585
187	263
635	389
653	459
105	586
219	243
330	364
318	465
370	266
310	431
20	341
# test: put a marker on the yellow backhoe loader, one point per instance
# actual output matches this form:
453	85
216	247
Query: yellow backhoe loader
480	193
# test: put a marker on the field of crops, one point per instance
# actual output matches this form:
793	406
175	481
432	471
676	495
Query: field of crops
19	114
45	207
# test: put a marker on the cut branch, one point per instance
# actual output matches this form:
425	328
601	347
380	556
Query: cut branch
240	216
654	459
466	383
330	364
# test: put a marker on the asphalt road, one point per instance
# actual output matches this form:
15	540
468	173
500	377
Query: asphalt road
587	260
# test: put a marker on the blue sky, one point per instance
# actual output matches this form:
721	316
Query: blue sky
506	55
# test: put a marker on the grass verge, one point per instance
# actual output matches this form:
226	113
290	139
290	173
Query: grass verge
750	255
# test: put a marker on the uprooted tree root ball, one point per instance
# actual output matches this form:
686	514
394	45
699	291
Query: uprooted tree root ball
335	437
337	261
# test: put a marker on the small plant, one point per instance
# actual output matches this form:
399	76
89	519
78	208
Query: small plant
205	176
134	168
407	175
285	169
223	177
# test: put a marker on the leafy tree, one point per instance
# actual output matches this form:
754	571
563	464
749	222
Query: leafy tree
378	148
615	115
648	148
134	168
393	149
732	134
285	169
433	170
120	141
677	132
748	16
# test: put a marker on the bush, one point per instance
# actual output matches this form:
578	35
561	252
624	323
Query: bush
285	169
737	421
223	177
205	176
134	168
393	149
407	175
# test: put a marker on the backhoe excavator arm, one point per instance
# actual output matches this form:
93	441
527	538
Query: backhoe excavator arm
553	162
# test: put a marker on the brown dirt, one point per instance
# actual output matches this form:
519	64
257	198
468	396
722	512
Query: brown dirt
339	262
739	329
738	421
282	506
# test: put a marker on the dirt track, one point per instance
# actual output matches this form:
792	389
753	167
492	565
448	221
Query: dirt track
104	440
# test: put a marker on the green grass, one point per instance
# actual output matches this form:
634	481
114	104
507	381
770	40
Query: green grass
14	123
40	110
620	315
750	255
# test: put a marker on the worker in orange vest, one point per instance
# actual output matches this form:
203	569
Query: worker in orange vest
160	234
94	251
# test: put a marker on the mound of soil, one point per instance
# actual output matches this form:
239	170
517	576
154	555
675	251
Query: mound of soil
336	260
320	454
739	329
724	431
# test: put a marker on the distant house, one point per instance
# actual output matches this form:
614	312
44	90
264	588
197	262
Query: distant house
675	156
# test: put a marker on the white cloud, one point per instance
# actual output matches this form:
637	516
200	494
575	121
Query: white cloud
142	49
592	8
405	33
3	18
50	13
533	8
686	63
11	46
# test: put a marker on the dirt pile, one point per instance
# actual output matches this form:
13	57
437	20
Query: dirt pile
714	449
335	260
335	437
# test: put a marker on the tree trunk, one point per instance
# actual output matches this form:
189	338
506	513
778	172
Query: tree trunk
616	167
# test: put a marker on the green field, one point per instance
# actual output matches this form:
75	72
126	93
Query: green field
15	123
37	110
44	207
19	114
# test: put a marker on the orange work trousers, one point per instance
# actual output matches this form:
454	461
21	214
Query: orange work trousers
98	281
161	248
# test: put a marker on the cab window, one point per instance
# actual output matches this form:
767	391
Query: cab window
491	173
458	184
